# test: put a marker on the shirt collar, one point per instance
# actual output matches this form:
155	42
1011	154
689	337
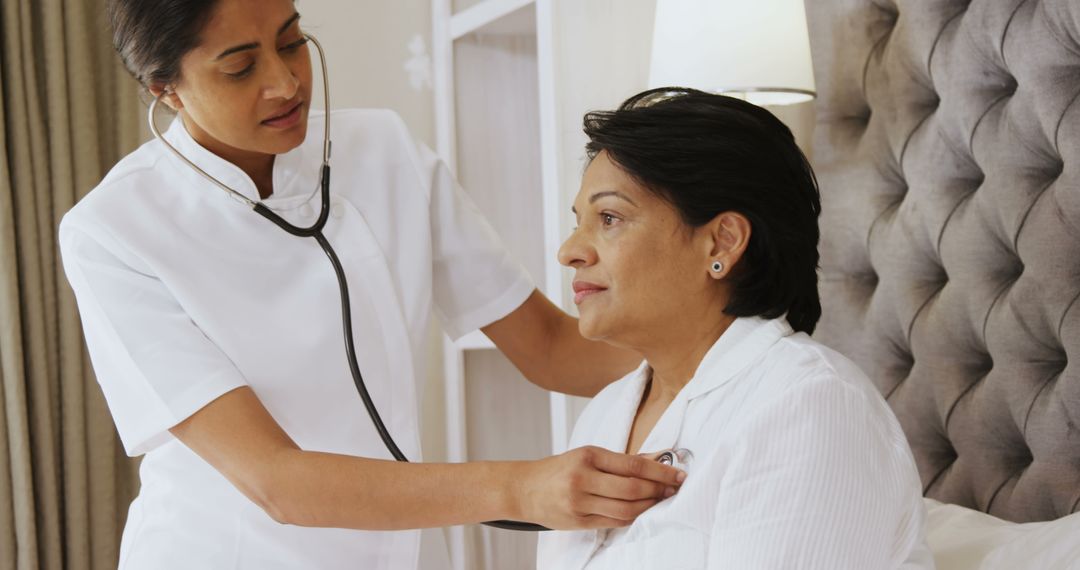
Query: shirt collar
619	417
742	343
293	174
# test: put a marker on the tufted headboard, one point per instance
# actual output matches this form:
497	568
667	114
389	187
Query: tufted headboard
947	147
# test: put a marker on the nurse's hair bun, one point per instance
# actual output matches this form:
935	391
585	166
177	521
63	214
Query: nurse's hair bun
152	36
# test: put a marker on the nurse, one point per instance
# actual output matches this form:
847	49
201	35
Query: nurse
216	336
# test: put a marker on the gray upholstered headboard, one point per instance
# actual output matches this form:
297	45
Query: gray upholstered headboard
947	148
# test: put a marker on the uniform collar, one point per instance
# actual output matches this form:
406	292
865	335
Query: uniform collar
293	173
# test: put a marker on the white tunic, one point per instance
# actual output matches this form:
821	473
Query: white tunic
798	463
186	294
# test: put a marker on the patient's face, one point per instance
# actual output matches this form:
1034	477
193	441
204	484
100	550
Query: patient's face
639	269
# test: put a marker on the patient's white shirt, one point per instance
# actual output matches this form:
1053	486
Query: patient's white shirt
798	462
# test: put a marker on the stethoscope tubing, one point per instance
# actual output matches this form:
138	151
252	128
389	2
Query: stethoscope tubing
316	231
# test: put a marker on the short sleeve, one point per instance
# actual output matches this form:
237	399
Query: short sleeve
820	480
154	365
475	279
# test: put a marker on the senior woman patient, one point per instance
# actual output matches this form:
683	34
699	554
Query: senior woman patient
696	246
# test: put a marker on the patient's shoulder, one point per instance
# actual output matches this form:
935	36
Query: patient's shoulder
802	381
803	359
797	376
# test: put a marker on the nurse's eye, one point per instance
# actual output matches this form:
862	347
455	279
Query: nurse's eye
294	46
291	47
608	219
243	72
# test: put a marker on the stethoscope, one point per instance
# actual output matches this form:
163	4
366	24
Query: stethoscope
670	457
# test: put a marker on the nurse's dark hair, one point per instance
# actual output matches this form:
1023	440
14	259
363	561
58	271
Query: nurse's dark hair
707	154
152	36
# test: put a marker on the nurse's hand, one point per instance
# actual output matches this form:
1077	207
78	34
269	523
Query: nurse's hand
591	487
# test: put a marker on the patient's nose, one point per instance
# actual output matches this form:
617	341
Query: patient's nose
574	252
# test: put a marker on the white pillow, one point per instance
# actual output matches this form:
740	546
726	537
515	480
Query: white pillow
964	539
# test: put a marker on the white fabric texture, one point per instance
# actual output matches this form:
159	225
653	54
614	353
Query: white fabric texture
798	463
186	294
966	539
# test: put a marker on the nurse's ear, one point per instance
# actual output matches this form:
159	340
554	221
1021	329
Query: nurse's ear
171	98
728	235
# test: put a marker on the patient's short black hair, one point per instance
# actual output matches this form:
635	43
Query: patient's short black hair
707	154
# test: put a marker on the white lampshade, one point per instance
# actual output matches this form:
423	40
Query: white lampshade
755	49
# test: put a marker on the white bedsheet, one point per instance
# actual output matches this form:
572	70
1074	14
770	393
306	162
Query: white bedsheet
965	539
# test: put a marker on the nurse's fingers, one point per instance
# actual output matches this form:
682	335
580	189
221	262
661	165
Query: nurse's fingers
592	522
636	466
625	488
654	456
559	491
625	511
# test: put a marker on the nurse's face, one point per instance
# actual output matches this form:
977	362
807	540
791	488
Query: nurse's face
639	269
246	88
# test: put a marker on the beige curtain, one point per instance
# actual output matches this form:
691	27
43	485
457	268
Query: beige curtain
68	113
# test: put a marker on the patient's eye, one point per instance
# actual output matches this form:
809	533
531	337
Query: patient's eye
608	219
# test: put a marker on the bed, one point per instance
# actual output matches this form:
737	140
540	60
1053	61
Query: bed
947	148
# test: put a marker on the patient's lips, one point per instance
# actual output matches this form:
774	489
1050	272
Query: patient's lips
583	289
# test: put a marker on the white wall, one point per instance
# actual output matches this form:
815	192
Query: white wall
369	53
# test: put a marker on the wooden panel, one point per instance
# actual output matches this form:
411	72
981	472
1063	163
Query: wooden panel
507	415
497	140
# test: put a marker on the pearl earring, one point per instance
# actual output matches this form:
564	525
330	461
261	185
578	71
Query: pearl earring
717	267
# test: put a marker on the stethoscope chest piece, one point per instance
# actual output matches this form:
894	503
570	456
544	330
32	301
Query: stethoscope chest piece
679	457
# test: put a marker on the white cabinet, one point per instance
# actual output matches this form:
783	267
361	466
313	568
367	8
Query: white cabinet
513	79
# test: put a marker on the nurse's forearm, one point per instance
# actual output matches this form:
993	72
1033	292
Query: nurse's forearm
327	490
582	488
583	367
238	437
543	342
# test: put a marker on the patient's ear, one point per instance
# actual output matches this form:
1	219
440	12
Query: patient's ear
730	234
